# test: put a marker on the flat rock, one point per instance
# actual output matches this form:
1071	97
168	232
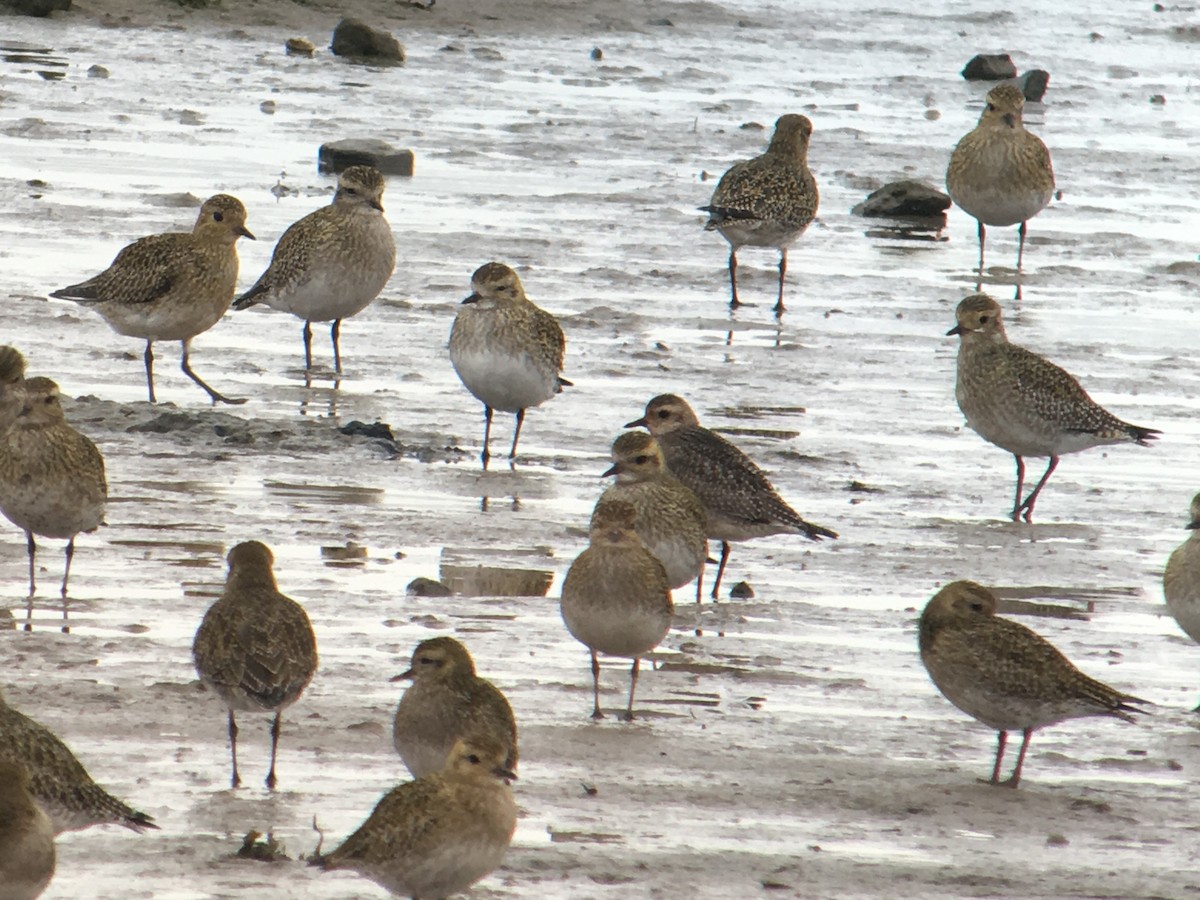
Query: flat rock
37	7
990	67
1033	84
358	41
339	155
904	198
427	587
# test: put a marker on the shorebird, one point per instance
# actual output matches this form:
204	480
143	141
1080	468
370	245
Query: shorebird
1003	674
1023	403
447	703
767	201
12	377
333	262
171	287
440	834
740	500
58	781
1181	580
51	477
671	520
255	648
26	837
507	351
616	598
999	173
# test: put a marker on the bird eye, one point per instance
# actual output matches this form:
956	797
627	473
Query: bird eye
427	660
983	320
640	460
991	107
978	607
48	400
350	190
664	414
473	759
218	217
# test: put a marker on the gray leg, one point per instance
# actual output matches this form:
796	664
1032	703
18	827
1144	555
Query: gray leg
149	358
216	397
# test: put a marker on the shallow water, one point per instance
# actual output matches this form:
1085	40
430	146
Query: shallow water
795	742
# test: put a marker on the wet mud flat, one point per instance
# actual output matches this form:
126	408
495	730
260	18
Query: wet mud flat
789	744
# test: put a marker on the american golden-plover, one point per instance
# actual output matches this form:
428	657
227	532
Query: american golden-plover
171	287
12	377
26	837
447	703
767	201
440	834
332	263
616	599
1181	580
740	500
1022	402
507	351
1005	675
255	647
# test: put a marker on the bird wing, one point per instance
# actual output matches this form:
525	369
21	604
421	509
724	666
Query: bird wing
143	272
1053	394
291	257
763	189
397	827
550	335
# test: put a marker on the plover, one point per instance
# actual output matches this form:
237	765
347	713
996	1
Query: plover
12	377
1003	674
171	287
26	837
255	647
1023	403
1181	580
767	201
740	500
447	703
507	351
616	599
333	262
440	834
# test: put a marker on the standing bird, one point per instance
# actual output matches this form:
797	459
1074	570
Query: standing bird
767	201
333	262
26	837
507	351
1181	580
999	173
440	834
616	598
12	377
51	477
1022	402
447	703
1003	674
671	520
740	501
59	783
255	648
172	287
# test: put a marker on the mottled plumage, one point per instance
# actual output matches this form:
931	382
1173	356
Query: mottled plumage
438	835
1023	403
1181	580
671	520
740	501
507	351
171	287
255	648
447	703
12	378
26	837
616	598
767	201
332	263
1003	674
51	477
1000	173
58	781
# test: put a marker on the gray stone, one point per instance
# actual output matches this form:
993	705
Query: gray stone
40	8
339	155
359	41
1033	84
990	67
427	587
904	198
97	72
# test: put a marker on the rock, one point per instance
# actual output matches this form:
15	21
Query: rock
427	587
496	581
1033	84
904	198
1158	99
597	54
359	41
339	155
40	8
990	67
299	47
97	72
741	591
379	430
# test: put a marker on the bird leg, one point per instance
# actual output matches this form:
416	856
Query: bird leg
725	548
782	273
982	237
216	397
334	333
307	335
734	303
512	454
149	358
274	748
1015	779
596	713
487	435
31	546
1001	743
1016	510
1020	256
1027	506
66	629
633	675
236	780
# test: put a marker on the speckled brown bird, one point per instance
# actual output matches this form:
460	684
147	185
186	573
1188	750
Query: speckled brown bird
332	263
671	520
255	648
1181	579
26	837
1003	674
58	781
447	703
740	500
440	834
171	287
999	173
1023	403
767	201
507	351
616	598
52	480
12	377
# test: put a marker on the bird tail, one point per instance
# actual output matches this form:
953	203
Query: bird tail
250	298
816	532
719	215
1125	706
95	797
562	383
80	293
1141	435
